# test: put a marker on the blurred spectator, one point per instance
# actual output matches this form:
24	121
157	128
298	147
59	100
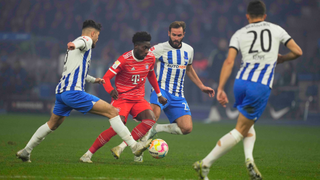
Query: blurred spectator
6	79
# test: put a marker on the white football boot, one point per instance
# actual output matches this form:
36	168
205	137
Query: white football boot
150	134
86	159
253	170
138	159
23	155
141	146
116	151
203	171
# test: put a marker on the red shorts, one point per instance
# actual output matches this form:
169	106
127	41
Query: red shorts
125	107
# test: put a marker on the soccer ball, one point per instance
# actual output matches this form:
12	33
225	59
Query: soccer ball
158	148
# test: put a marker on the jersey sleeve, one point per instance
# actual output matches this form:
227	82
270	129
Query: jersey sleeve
152	65
191	56
284	37
234	42
157	51
117	65
84	43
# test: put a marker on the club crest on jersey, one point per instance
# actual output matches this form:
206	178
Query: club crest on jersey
116	64
86	38
147	66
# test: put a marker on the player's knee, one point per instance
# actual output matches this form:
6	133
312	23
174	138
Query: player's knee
113	112
186	130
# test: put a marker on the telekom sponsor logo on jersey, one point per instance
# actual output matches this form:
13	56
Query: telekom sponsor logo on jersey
135	78
174	66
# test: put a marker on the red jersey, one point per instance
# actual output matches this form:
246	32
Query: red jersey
131	75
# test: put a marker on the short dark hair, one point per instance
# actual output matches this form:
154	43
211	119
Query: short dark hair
141	37
177	24
256	9
91	24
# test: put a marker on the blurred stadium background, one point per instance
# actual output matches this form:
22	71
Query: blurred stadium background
34	34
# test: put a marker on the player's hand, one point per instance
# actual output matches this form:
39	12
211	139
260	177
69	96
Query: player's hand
114	94
100	81
71	46
162	100
280	59
222	97
208	90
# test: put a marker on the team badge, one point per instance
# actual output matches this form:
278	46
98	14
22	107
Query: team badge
116	64
147	66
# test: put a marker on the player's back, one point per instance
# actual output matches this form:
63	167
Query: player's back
259	45
130	80
76	67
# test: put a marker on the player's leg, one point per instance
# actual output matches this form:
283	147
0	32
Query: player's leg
179	115
141	111
100	141
156	108
59	112
183	125
251	99
226	143
105	109
156	111
248	144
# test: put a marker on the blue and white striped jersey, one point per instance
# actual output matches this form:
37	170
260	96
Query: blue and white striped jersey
259	45
171	66
76	67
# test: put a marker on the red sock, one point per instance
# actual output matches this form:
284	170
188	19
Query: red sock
140	130
102	139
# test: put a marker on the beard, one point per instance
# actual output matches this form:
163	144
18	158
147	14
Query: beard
93	45
174	45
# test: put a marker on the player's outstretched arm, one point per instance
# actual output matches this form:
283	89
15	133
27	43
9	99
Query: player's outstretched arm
100	81
191	73
92	79
294	54
224	76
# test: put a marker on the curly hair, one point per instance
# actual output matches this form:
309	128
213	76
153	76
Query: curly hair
141	37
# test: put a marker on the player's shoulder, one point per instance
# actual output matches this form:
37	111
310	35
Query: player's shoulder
186	46
86	39
150	55
157	47
126	55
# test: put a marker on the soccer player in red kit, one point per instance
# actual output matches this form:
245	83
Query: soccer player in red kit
131	70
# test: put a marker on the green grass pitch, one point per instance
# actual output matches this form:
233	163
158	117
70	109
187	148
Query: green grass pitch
281	152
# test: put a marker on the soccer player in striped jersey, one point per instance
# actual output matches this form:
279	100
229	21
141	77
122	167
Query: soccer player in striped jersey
70	93
258	43
174	61
131	70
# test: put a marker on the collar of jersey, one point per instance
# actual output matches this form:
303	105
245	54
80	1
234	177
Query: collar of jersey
174	47
135	57
257	22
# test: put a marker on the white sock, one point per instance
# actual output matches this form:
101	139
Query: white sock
169	128
89	153
123	145
122	130
37	137
248	143
226	143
